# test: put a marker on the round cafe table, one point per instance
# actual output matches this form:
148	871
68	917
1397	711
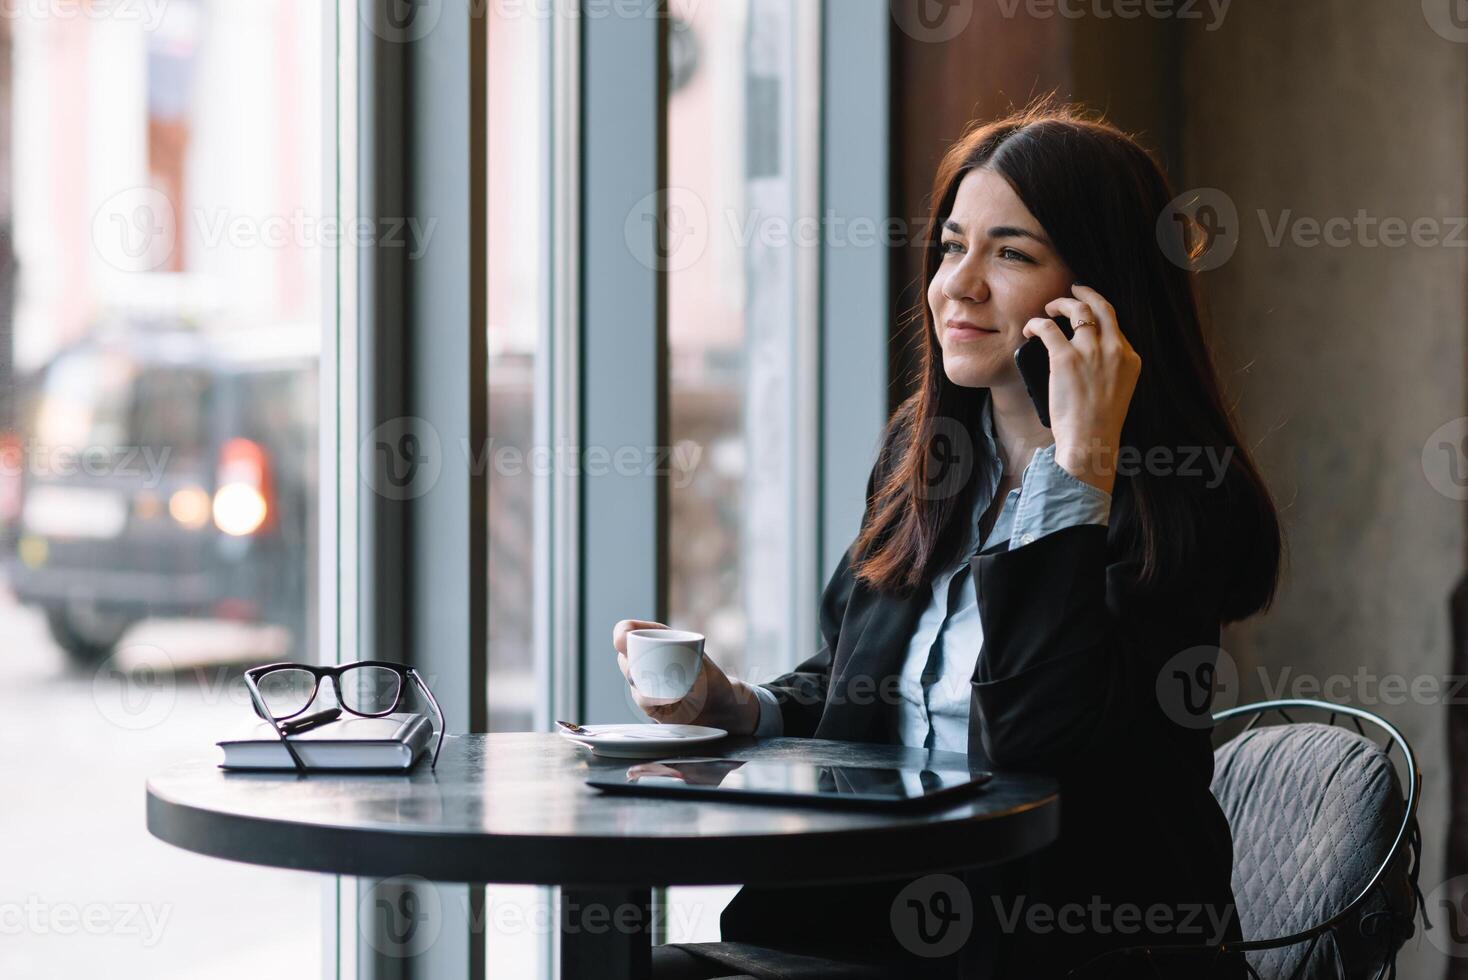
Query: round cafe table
514	809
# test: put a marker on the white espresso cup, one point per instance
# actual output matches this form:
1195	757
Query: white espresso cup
663	664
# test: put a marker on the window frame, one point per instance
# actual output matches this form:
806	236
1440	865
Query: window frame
856	109
410	576
418	592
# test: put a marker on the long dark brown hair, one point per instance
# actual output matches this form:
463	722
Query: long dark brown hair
1099	195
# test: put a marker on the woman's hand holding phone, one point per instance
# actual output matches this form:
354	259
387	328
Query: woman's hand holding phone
1092	378
716	699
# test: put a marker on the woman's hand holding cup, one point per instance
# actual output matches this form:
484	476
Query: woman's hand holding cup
663	659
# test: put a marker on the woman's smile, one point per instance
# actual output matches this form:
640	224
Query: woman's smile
964	330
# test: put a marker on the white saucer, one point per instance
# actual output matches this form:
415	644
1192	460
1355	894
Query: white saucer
643	741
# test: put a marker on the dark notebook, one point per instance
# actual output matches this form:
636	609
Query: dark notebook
392	742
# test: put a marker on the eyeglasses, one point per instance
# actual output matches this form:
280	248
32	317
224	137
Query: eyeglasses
367	688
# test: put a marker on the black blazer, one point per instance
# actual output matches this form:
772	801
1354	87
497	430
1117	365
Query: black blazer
1067	684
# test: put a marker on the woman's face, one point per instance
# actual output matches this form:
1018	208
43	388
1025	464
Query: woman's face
998	272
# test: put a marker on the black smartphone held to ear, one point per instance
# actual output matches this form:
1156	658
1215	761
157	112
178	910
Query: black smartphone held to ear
1033	361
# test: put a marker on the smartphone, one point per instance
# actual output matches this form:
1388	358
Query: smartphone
1033	361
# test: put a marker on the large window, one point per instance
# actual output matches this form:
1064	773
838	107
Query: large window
161	289
742	250
518	466
743	242
169	238
517	454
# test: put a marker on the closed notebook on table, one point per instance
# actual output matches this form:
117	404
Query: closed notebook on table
392	742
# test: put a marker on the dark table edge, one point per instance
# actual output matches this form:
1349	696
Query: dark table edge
456	857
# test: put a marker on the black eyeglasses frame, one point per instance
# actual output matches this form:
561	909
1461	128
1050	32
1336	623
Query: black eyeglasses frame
334	671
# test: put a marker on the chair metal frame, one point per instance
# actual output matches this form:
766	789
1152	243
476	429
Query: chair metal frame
1407	833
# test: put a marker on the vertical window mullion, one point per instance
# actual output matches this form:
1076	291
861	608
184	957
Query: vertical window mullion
854	294
620	338
807	507
339	400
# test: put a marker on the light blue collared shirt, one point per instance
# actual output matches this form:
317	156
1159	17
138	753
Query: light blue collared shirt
946	642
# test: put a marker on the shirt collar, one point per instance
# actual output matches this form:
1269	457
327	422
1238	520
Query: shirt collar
986	426
991	442
989	448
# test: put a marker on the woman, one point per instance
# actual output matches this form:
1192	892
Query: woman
1031	605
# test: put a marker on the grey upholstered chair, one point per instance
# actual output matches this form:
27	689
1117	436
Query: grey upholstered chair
1326	846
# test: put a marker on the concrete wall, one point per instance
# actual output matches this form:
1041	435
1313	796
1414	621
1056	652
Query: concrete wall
1345	360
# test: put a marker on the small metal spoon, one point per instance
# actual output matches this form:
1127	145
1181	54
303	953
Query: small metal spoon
575	729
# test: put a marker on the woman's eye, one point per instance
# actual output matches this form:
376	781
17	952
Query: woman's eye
1010	253
950	246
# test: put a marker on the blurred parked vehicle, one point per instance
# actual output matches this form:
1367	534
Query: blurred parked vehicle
169	473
